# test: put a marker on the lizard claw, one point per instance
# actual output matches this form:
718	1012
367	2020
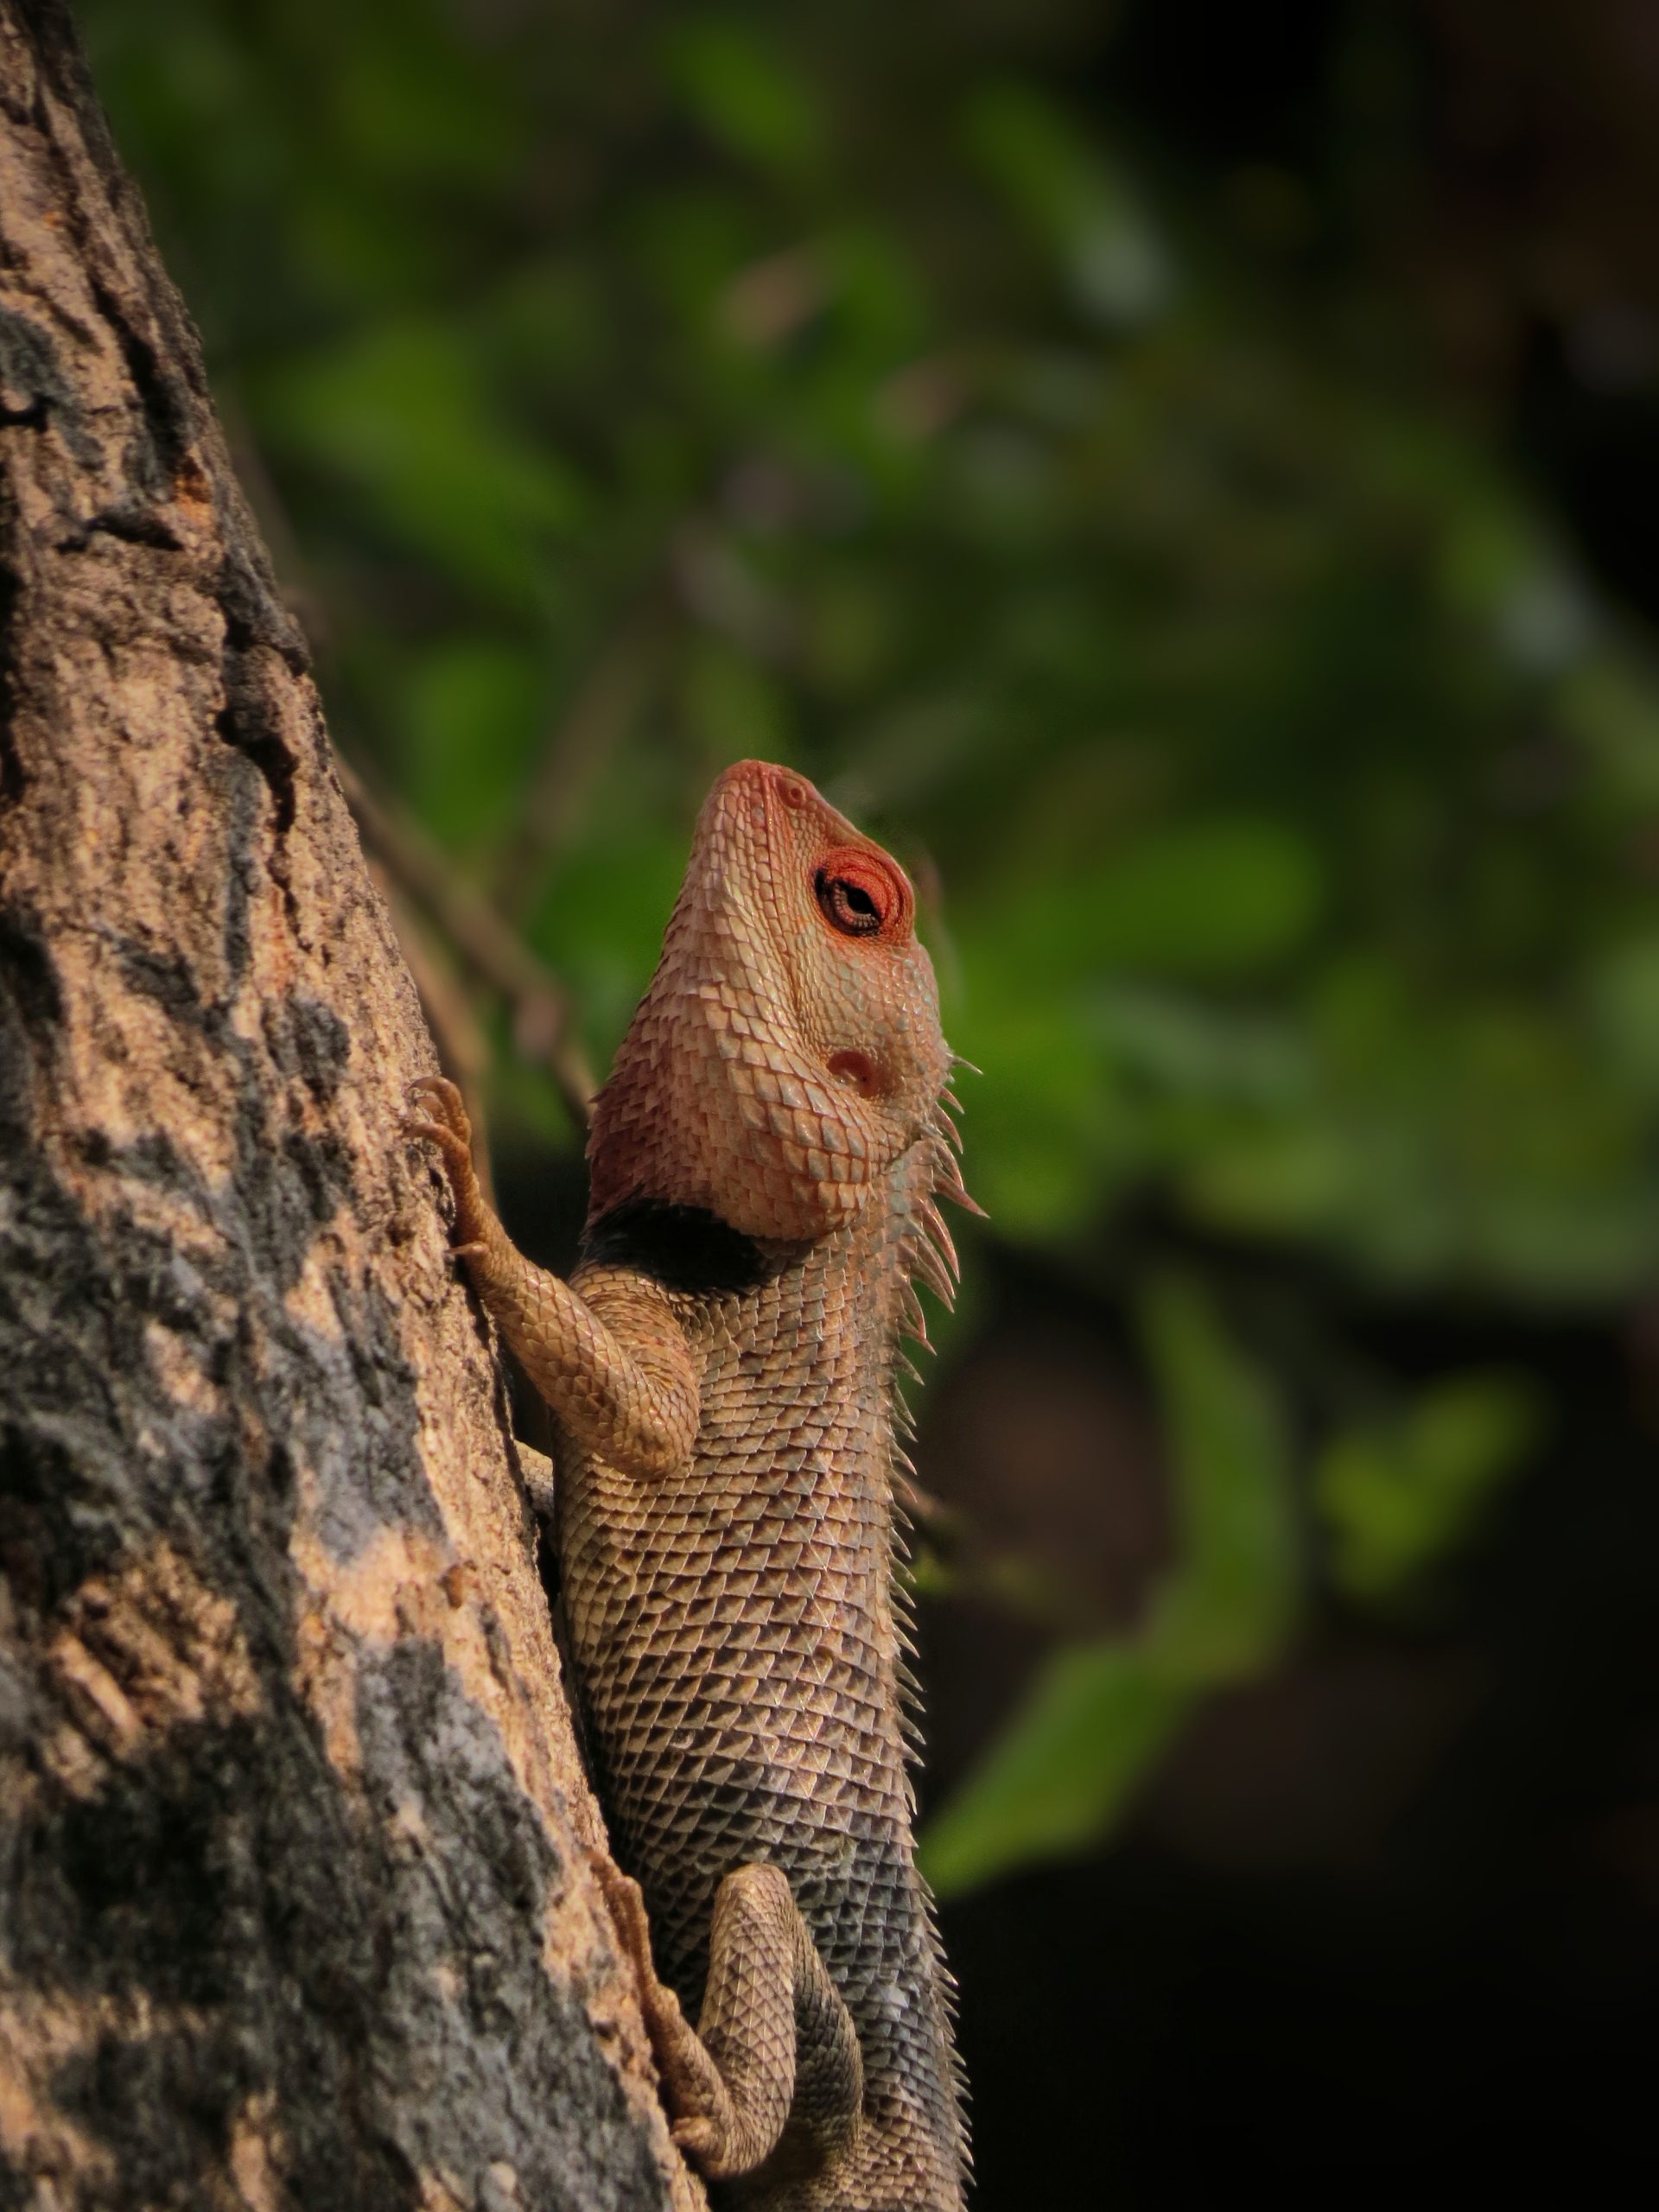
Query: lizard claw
420	1130
435	1096
626	1902
437	1115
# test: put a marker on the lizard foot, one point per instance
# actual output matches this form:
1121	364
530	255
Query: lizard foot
699	2137
700	2106
438	1115
774	2036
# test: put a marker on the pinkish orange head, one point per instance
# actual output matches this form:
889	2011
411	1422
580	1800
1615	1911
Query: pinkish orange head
788	1050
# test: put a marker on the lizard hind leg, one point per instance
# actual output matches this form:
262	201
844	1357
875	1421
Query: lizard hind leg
774	2040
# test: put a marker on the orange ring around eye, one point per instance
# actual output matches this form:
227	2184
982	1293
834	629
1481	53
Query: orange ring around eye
861	893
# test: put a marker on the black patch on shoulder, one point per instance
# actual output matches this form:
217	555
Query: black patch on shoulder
682	1248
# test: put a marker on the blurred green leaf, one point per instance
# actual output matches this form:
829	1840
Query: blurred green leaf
1072	195
1624	989
1093	1720
1612	706
1097	1715
1228	1608
474	709
403	417
1397	1498
743	92
1209	900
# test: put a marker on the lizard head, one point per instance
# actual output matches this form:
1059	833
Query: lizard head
788	1050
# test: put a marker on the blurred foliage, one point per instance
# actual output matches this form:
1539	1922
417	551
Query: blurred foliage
877	403
1099	1712
1397	1495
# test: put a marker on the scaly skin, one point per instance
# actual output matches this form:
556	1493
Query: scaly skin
722	1366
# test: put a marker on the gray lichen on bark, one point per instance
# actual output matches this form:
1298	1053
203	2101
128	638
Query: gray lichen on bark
294	1905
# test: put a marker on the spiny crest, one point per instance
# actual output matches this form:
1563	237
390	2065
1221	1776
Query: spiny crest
926	1252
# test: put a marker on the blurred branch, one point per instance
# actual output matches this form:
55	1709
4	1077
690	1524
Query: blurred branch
543	1030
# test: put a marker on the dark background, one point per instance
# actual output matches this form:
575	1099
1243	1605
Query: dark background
1187	477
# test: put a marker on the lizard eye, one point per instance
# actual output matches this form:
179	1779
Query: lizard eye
855	894
848	906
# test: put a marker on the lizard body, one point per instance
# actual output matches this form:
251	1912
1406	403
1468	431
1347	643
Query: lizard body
723	1368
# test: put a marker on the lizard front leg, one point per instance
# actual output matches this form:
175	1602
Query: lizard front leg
625	1386
774	2040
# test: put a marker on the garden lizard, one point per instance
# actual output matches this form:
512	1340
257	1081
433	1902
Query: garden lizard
723	1368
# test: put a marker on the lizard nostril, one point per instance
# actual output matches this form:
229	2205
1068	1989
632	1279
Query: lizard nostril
790	793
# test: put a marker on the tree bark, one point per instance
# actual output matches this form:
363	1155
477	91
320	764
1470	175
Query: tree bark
294	1907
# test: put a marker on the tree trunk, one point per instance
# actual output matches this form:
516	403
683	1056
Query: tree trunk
294	1904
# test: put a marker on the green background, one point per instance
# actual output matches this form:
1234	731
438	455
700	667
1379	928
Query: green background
1134	467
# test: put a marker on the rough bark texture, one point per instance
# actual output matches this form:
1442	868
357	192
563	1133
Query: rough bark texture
293	1908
